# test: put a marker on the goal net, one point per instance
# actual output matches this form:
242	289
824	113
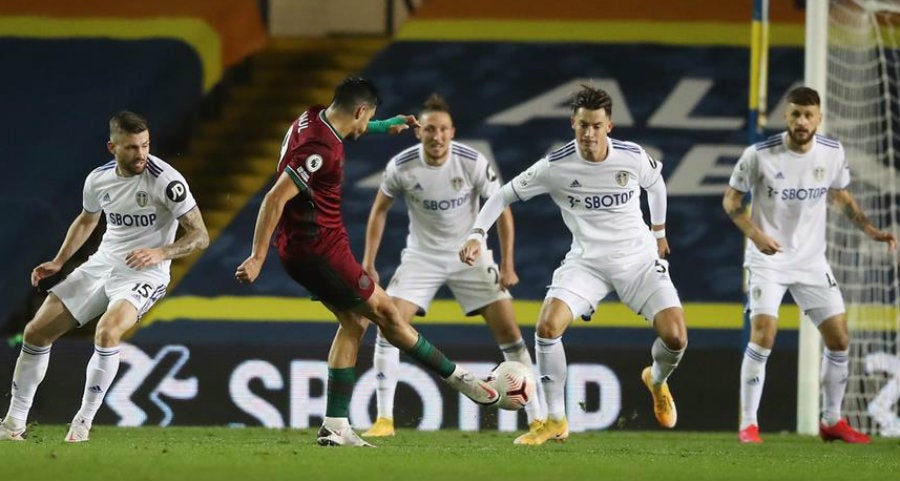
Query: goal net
862	105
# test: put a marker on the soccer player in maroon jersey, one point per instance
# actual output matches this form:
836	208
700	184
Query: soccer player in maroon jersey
304	206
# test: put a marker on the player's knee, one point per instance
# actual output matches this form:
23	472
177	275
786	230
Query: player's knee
37	336
547	330
837	342
107	337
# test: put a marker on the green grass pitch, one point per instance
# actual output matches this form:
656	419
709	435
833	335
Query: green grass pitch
213	453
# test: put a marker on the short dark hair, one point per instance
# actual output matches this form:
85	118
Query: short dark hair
353	91
126	122
803	96
435	103
592	99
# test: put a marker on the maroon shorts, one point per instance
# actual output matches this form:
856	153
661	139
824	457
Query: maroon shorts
334	277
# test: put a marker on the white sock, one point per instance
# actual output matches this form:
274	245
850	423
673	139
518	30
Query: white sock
665	361
835	370
387	364
516	351
551	359
753	377
101	370
30	370
336	424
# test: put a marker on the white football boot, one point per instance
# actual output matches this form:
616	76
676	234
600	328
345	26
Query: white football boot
10	434
341	437
479	391
79	431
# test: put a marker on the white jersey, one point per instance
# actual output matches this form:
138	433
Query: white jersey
141	211
789	197
444	200
600	202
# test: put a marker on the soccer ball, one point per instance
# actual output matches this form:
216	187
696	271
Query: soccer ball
515	382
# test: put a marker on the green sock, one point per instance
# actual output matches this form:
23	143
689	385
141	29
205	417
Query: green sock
430	357
340	389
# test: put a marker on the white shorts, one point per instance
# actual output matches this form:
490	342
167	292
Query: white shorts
93	287
421	274
814	290
645	286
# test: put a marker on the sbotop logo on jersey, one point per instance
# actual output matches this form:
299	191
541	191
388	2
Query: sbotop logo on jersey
446	204
130	220
606	201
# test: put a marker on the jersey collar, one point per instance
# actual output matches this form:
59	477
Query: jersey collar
324	120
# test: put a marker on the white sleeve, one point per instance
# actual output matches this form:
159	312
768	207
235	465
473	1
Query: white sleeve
842	179
656	200
744	171
486	179
649	171
390	181
177	196
492	209
89	200
532	182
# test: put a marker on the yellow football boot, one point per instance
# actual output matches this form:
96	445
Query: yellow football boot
663	403
541	432
382	427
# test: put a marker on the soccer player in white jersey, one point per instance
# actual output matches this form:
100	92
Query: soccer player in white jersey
442	182
144	200
596	182
790	176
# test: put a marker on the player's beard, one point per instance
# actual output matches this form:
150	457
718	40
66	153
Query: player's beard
136	167
809	136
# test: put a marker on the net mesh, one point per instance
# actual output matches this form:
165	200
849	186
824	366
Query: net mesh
862	103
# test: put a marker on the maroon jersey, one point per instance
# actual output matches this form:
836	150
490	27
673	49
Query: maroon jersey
312	154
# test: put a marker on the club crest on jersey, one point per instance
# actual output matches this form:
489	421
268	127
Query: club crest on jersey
819	173
622	178
757	292
456	183
313	163
142	198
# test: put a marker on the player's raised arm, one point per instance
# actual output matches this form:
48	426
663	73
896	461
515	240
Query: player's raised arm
393	125
843	200
78	232
486	218
375	231
269	213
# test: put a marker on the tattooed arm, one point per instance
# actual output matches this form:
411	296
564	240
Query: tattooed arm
843	200
195	238
733	203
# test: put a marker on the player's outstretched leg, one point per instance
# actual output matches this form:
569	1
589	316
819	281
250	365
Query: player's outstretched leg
380	309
